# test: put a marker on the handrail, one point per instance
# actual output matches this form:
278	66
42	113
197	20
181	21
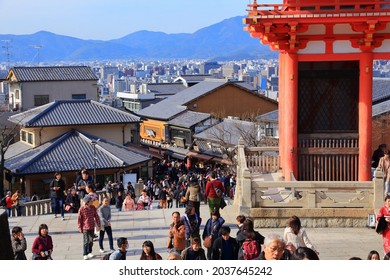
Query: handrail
43	206
318	7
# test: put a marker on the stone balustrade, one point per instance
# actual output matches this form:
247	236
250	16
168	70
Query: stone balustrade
317	203
43	206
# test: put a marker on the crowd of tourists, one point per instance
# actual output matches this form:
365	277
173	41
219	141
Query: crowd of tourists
184	191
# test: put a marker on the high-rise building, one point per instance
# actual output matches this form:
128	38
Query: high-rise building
207	66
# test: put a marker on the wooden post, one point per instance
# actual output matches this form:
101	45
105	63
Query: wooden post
365	116
290	113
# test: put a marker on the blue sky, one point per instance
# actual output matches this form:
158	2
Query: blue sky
104	20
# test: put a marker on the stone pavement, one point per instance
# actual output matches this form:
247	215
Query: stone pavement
138	226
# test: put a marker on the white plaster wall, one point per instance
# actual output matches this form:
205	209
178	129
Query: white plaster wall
386	30
316	47
343	29
385	48
344	46
315	29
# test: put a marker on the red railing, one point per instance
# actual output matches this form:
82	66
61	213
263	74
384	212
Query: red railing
318	7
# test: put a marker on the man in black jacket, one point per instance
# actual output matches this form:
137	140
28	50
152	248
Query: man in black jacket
225	247
57	189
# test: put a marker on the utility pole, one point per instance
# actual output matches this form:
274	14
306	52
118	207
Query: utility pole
6	46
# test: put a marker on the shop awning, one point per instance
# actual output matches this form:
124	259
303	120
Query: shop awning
175	155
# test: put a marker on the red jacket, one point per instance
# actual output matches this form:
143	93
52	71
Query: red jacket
8	202
210	192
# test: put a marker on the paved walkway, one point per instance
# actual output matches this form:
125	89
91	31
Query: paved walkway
138	226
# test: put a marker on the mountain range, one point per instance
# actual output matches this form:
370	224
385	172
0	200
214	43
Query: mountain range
225	40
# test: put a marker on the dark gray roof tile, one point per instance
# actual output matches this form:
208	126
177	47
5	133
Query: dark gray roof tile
195	78
73	112
70	151
176	104
270	116
54	73
189	119
165	88
380	89
173	105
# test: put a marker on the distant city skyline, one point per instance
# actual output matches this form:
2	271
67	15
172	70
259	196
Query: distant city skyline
105	20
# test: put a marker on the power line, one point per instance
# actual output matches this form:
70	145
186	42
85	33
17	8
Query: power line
38	48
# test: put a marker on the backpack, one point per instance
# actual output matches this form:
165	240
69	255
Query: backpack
3	201
250	249
106	256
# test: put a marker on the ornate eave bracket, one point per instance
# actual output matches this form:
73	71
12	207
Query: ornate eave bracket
281	37
368	41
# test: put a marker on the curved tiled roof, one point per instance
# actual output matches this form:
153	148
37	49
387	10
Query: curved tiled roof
73	112
189	119
70	151
53	73
380	90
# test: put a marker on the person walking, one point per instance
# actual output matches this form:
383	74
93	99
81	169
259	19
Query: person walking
384	165
119	201
247	239
191	223
193	193
57	189
384	213
19	244
225	247
104	212
87	217
214	192
170	196
8	203
42	247
176	234
16	202
211	229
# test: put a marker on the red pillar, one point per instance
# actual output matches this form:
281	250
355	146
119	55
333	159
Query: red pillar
290	116
365	116
280	108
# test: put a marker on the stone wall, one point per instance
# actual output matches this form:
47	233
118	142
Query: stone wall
310	218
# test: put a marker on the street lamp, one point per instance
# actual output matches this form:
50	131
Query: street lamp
93	143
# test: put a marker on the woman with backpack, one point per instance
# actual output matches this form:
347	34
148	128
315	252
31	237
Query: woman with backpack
249	241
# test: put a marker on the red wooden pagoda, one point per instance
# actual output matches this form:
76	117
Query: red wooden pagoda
326	58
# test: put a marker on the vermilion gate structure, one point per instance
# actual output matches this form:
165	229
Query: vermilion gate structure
326	58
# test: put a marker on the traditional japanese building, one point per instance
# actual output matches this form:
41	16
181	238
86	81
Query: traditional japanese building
326	58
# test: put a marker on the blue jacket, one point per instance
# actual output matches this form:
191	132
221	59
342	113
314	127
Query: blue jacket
213	228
